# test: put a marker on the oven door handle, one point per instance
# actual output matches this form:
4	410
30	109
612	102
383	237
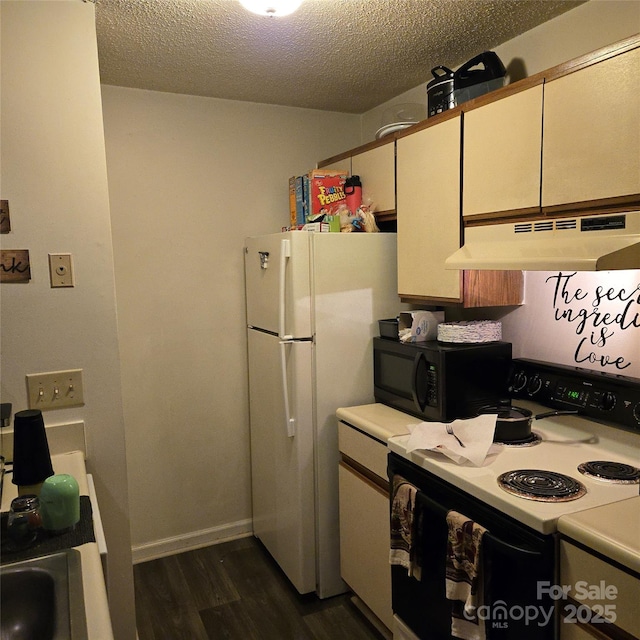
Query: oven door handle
508	549
420	371
489	541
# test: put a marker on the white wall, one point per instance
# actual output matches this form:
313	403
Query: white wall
189	179
589	26
54	176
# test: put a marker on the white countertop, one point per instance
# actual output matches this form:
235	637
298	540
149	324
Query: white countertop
95	594
566	442
611	530
377	420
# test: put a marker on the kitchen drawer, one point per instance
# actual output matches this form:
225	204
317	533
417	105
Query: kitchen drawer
580	568
364	449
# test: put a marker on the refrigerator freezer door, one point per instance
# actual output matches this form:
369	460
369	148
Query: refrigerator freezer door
281	464
278	283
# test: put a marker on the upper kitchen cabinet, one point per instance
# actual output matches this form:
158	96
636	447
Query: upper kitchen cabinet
429	224
501	156
591	137
343	164
376	168
428	211
375	164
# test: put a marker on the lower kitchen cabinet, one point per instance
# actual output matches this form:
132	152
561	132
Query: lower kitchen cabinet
603	600
364	521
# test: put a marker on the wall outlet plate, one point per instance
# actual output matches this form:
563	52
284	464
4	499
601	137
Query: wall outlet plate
61	270
55	389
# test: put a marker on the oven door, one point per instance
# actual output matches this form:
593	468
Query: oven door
516	561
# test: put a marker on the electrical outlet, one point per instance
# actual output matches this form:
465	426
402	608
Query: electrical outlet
55	389
61	270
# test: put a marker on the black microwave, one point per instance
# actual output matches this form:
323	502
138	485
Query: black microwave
440	382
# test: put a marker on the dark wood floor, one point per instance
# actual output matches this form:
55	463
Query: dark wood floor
235	591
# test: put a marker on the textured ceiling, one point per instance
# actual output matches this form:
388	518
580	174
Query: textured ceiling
337	55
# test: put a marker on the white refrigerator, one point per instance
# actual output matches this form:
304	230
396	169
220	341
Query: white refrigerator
313	302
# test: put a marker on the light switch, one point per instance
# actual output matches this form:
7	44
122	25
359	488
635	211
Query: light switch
55	389
61	270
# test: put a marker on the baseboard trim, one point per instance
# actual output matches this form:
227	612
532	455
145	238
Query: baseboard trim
191	541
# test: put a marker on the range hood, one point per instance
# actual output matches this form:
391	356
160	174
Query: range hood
589	243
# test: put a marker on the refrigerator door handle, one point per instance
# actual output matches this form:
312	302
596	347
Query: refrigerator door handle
285	254
289	421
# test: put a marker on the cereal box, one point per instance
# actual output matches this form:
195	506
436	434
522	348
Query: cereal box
326	192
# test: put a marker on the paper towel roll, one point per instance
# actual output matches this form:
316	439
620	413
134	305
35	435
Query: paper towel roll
419	326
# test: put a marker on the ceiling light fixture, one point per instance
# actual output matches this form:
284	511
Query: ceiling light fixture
271	7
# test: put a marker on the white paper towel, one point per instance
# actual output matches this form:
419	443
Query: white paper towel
419	326
475	433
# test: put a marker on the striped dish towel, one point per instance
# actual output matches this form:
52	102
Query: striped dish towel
464	576
403	551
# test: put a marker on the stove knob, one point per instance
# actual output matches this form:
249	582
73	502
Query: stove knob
607	401
519	381
535	384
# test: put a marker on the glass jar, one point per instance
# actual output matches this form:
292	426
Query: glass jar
24	519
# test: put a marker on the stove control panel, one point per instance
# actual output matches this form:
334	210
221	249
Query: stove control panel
601	396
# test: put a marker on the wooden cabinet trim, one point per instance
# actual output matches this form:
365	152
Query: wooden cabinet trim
500	217
385	216
480	288
414	299
594	57
615	204
364	474
374	144
489	288
553	73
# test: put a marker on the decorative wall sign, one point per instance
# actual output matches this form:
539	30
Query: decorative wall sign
597	315
15	265
583	319
5	220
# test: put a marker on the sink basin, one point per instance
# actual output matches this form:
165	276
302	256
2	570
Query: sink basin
42	598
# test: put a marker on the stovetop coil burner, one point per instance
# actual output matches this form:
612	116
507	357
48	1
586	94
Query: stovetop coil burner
530	441
541	485
617	472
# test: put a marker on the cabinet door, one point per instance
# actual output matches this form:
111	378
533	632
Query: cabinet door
339	165
501	155
582	569
376	169
428	211
364	542
591	133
